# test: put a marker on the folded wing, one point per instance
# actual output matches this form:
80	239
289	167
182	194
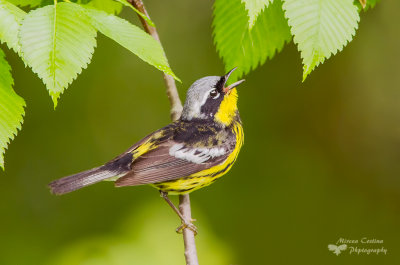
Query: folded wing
172	160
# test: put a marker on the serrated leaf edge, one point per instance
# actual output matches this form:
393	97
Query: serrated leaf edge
18	128
308	69
56	96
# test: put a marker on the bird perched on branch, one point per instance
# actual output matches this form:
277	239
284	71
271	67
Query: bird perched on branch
185	155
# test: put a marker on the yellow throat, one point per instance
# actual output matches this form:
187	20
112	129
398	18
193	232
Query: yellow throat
227	110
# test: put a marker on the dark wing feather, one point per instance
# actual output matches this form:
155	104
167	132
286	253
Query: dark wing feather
159	166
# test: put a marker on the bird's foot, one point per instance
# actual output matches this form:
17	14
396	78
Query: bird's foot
187	224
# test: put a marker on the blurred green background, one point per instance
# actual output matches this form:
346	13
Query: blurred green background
321	159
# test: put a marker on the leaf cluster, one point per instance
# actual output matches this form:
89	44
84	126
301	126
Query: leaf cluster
248	32
57	40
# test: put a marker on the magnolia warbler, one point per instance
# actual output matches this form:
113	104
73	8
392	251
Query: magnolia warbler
184	156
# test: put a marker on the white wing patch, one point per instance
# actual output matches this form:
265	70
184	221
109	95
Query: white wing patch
195	155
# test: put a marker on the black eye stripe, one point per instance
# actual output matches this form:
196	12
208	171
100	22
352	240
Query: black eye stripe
211	106
220	84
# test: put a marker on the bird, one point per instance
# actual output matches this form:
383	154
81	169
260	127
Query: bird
337	249
186	155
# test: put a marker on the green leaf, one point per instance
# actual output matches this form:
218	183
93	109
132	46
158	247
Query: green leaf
132	38
11	108
148	20
242	48
30	3
109	6
11	17
254	8
320	28
57	41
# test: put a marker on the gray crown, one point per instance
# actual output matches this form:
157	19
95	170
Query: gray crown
197	95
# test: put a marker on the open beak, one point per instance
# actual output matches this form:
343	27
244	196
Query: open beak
228	88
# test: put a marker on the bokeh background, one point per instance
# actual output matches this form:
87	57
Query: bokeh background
321	159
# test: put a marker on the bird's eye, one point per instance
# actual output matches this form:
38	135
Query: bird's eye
214	94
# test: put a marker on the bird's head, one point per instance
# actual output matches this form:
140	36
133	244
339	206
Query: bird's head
210	99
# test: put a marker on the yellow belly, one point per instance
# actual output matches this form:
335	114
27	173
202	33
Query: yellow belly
205	177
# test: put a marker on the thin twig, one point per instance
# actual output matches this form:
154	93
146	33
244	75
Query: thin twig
176	109
172	92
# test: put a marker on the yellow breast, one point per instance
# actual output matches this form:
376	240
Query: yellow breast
208	176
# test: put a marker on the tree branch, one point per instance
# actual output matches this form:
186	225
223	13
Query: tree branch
188	235
176	109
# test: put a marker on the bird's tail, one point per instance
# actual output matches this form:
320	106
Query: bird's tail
80	180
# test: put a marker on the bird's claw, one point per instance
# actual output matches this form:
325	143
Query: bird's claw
189	225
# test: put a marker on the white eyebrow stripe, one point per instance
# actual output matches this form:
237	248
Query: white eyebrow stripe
195	110
188	154
205	98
